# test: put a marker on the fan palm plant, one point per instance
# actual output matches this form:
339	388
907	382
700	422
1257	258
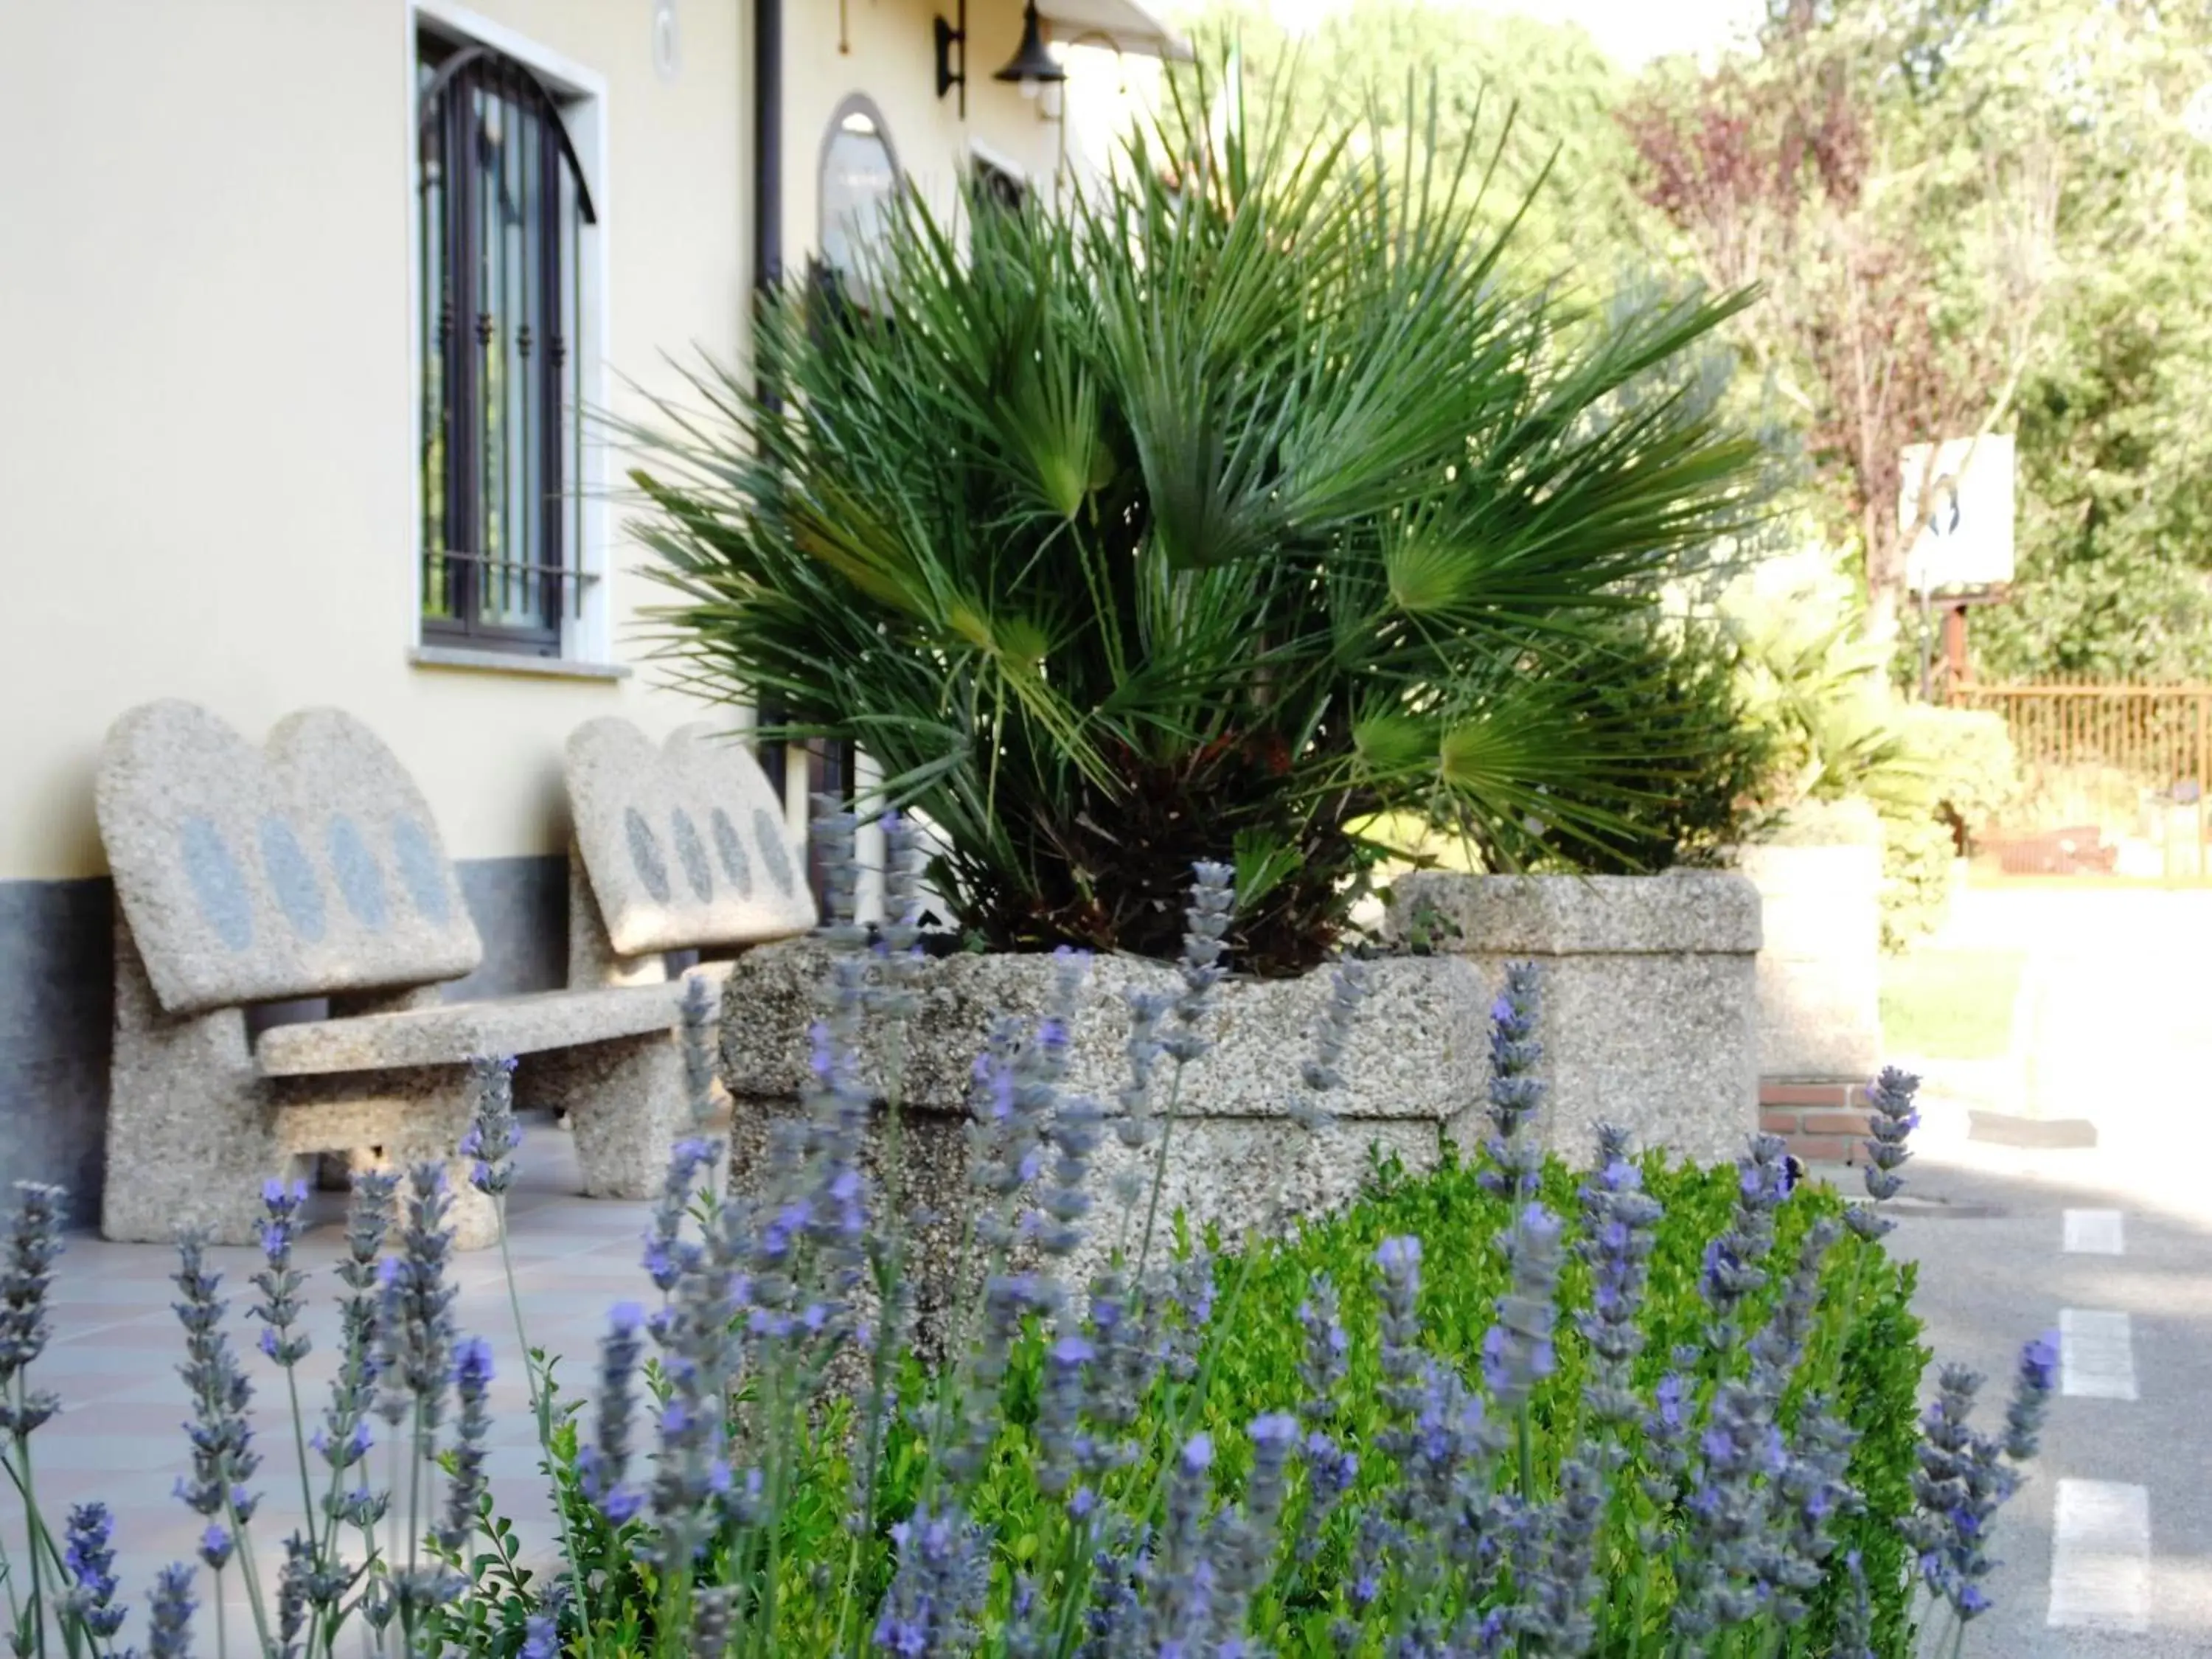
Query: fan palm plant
1211	515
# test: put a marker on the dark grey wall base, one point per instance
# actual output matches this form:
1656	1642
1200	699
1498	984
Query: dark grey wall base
57	1003
521	911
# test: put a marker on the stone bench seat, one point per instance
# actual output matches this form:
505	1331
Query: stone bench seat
449	1034
310	868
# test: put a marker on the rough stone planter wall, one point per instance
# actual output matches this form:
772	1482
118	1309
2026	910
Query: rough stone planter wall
1818	968
1651	1017
1415	1075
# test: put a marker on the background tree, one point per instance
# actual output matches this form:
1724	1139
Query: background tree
1905	261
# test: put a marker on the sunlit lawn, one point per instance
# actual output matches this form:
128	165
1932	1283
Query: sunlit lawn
1950	1005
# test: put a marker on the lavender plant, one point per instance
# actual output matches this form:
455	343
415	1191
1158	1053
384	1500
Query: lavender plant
1470	1444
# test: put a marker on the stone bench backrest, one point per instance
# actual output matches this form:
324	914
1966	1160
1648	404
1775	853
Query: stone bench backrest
246	875
686	844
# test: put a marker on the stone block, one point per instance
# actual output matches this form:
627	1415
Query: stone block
1650	1016
254	876
1418	1050
449	1033
1414	1075
1819	967
685	844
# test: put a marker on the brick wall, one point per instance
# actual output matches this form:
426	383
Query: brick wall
1822	1122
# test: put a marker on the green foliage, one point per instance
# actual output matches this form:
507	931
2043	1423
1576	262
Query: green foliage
1955	771
1838	733
1864	1350
1249	499
1679	688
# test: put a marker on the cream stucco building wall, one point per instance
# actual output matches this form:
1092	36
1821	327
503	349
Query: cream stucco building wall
209	475
207	325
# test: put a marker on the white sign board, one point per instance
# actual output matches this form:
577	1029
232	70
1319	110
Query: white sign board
1967	542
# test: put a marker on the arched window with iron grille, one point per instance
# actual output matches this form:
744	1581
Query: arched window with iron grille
503	211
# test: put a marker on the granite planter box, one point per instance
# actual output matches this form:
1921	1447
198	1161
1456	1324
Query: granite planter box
1413	1077
1651	1017
1820	886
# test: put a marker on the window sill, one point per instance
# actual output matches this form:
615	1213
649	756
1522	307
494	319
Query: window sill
514	662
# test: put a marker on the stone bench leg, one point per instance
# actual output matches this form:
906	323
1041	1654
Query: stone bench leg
624	1099
191	1127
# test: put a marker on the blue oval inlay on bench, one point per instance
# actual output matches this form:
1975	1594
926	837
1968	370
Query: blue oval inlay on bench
217	881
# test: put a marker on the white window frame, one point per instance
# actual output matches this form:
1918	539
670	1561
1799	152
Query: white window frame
587	640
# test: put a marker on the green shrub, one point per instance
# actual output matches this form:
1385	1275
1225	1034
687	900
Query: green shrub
1244	502
1864	1351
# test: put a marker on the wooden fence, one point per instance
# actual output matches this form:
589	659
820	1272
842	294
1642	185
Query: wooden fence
2108	767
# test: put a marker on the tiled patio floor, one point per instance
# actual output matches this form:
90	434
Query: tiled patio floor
117	1345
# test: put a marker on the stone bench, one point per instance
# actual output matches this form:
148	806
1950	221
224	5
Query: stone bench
314	869
679	847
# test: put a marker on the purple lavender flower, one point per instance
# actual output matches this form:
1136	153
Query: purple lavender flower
1718	1569
1854	1637
468	1483
1811	1490
1059	1412
603	1465
279	1282
937	1591
1776	1348
1517	1350
1620	1222
1962	1479
1669	1432
90	1557
1515	1091
1399	1260
668	1254
1330	1471
1008	1299
493	1135
222	1456
292	1582
1558	1595
1890	1123
1124	1328
540	1638
1735	1263
344	1438
1213	907
836	833
1189	1289
898	949
1243	1549
1183	1581
1326	1360
414	1315
2037	1378
695	1029
172	1606
1348	989
712	1610
694	1484
34	1241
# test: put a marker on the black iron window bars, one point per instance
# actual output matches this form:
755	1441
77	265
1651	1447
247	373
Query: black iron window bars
502	214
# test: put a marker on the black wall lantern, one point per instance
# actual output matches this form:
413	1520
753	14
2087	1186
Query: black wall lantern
948	36
1032	66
